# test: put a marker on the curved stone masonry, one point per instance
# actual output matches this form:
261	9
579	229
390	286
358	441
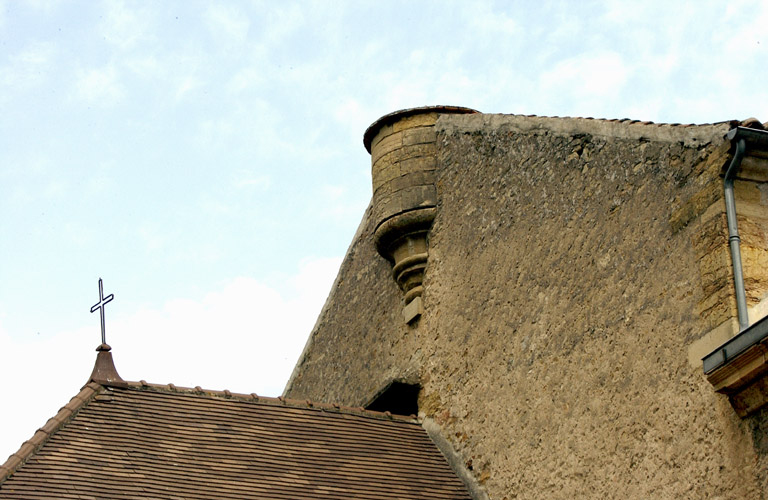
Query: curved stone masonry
403	160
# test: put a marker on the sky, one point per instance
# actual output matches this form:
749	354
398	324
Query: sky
206	160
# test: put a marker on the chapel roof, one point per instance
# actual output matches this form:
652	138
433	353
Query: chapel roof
118	439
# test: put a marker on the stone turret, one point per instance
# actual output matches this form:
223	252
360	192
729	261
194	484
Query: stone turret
403	158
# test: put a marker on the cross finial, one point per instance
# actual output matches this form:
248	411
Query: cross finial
100	305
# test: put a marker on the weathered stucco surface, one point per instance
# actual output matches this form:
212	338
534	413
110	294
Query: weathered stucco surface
352	349
563	288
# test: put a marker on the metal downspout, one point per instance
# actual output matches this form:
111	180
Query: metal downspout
733	234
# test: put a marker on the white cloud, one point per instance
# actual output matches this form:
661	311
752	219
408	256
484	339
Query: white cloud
174	74
624	13
255	123
249	180
284	22
333	193
215	132
3	15
339	202
227	24
147	66
45	6
247	79
188	84
29	67
244	336
79	235
33	365
20	195
594	75
100	86
489	22
99	184
33	178
216	207
125	26
409	93
312	284
590	84
647	109
352	116
745	43
153	237
54	189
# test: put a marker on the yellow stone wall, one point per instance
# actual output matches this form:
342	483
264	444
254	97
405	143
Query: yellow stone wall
572	263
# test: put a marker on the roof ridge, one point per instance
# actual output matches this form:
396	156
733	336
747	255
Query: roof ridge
631	121
41	436
277	401
690	135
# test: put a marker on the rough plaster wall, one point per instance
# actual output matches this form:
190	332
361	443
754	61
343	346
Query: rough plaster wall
350	354
758	426
564	306
559	305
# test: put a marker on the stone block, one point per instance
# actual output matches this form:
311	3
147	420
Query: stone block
408	179
413	310
418	120
420	164
753	168
746	192
390	207
712	193
392	157
752	230
420	135
718	307
428	195
384	189
417	151
711	341
386	174
715	270
384	132
417	196
751	398
386	146
755	265
711	234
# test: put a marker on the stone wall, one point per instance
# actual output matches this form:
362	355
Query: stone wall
562	292
351	352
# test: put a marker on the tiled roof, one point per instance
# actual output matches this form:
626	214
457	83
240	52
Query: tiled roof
139	440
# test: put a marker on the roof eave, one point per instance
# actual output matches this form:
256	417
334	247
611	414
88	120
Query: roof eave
43	434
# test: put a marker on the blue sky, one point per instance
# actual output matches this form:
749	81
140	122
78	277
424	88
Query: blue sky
205	158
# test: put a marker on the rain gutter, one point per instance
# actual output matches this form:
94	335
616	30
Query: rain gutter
747	336
733	232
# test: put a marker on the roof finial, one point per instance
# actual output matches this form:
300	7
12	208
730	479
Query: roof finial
104	371
103	301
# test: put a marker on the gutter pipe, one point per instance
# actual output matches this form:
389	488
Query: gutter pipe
733	234
757	138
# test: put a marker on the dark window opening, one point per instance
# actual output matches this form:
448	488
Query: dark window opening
397	398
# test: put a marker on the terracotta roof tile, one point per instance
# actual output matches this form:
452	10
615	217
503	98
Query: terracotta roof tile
144	440
41	436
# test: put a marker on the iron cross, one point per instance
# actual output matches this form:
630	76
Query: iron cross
103	301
